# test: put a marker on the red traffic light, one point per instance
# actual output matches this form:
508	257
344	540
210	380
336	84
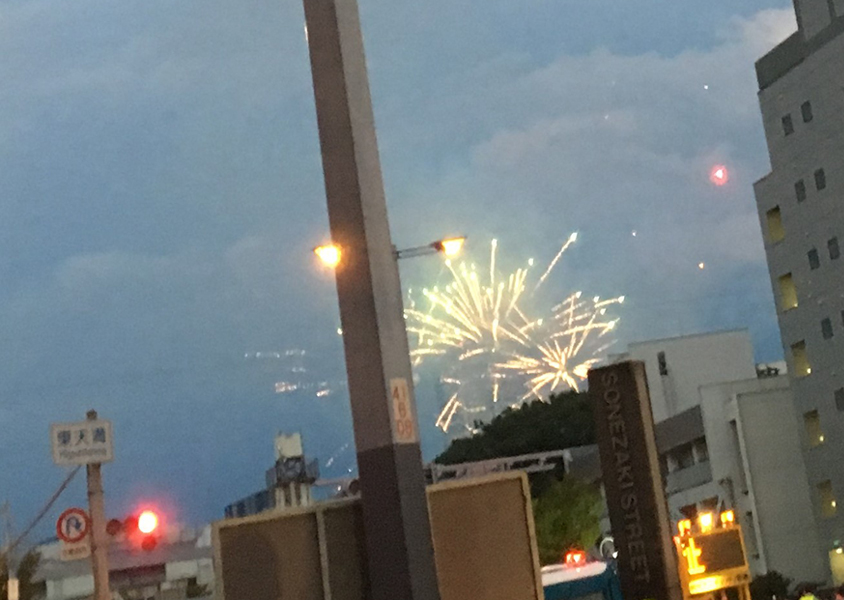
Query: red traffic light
147	522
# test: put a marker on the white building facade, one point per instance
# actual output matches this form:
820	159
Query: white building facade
802	216
181	566
727	437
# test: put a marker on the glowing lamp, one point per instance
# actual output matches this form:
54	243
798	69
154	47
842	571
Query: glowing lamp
705	522
147	522
575	557
684	527
329	254
450	246
728	517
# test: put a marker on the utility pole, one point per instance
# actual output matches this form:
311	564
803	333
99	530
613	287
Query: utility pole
12	584
399	548
99	538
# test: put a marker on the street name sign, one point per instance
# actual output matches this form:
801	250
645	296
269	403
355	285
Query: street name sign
82	443
647	564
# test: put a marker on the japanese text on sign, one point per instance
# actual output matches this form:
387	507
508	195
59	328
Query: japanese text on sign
82	443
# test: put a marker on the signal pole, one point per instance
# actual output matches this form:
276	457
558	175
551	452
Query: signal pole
99	538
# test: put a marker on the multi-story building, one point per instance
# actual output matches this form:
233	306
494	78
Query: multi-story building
726	433
801	208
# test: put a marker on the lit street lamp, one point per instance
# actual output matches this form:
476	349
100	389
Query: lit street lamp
331	254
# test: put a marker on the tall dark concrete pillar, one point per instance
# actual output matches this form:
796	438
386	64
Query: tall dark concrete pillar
395	510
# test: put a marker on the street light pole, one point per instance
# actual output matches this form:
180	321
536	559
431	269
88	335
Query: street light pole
395	510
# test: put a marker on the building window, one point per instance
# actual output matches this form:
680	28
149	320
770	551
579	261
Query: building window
663	364
826	329
787	125
820	179
684	456
776	232
829	506
806	111
814	434
800	190
701	450
814	259
800	359
832	246
788	292
839	399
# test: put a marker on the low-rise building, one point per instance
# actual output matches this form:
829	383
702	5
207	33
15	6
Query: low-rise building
728	437
179	567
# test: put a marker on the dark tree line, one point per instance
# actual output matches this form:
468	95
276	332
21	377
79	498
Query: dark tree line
566	511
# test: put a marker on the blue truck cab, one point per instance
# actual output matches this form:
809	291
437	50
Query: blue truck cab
595	580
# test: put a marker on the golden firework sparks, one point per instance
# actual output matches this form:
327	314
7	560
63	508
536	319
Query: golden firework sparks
486	330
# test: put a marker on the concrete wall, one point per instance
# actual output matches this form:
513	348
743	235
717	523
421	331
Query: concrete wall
779	487
812	15
693	361
72	587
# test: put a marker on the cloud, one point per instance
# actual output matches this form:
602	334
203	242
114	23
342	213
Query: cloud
608	144
161	189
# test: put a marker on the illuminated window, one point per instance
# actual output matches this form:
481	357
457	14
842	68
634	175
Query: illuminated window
788	292
806	111
814	259
787	125
800	359
812	422
826	496
776	232
834	250
820	179
826	329
800	190
839	399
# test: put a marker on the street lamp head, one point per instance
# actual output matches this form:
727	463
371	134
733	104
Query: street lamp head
329	254
451	246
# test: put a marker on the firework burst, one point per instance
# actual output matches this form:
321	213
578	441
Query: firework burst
482	326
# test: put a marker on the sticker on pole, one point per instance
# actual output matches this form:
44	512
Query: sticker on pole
73	527
404	423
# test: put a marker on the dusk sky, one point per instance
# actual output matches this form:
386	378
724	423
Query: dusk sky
161	190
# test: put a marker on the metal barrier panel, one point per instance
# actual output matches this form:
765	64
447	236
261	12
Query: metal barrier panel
484	546
270	556
484	538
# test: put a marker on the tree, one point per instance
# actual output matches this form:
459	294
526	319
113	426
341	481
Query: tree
27	568
28	589
4	577
567	515
770	585
563	422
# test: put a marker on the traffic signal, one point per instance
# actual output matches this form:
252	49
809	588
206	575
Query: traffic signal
147	522
139	529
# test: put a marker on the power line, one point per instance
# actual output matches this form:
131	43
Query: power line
42	512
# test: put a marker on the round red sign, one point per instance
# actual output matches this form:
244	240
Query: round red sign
73	525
